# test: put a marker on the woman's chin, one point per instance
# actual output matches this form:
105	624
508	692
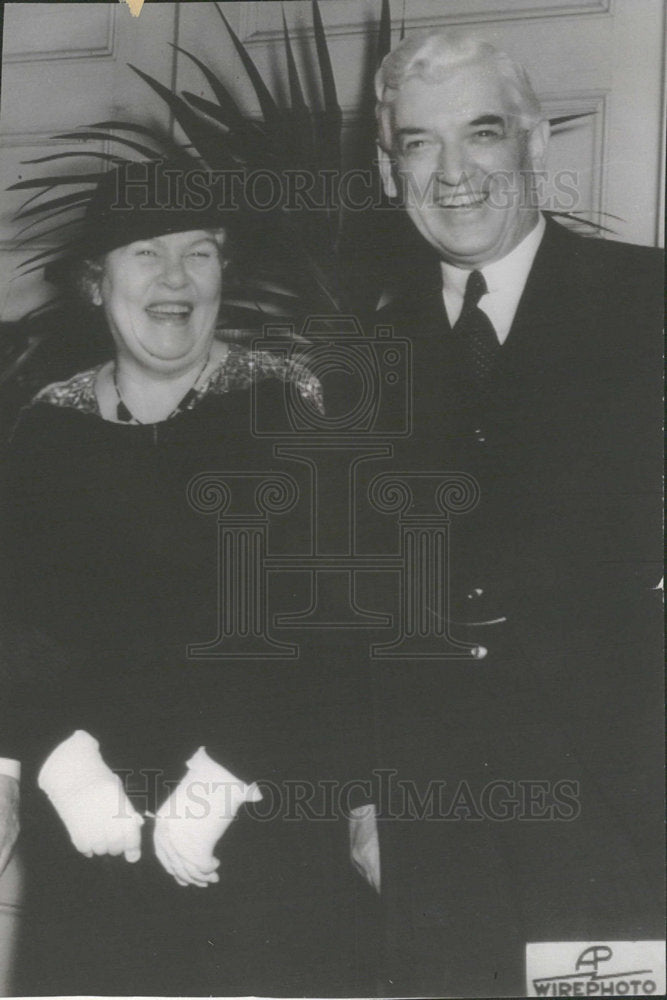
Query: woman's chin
173	351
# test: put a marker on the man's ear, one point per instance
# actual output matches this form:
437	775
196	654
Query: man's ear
538	142
386	165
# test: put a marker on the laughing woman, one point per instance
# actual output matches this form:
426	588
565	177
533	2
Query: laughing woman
136	760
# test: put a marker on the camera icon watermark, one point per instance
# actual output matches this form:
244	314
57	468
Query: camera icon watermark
367	381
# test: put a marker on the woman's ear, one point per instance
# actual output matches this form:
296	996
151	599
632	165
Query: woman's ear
88	281
95	292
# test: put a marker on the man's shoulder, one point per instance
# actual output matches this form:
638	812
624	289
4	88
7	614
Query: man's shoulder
609	254
611	282
566	259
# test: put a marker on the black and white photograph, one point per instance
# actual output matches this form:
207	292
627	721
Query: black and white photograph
331	381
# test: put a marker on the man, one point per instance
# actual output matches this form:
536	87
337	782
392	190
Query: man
536	371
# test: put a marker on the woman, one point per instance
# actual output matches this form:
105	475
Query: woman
115	575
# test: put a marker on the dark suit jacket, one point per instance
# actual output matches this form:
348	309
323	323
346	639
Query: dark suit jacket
565	444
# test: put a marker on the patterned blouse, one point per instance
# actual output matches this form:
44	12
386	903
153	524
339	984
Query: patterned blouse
240	367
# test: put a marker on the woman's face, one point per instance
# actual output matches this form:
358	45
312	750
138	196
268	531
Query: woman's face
161	297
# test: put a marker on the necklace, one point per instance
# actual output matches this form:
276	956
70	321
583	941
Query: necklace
125	415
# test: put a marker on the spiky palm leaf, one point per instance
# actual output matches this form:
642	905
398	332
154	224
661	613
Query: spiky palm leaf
301	248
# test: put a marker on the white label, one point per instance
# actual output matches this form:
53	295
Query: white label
595	969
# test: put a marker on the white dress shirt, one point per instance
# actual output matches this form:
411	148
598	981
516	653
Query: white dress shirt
505	281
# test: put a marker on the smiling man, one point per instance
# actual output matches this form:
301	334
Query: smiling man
536	370
466	139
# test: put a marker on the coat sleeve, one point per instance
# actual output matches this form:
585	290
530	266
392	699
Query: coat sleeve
33	664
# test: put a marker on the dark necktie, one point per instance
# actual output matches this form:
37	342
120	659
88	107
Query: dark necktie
474	328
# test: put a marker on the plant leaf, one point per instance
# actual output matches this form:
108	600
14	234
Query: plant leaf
296	93
593	211
29	348
331	121
152	133
146	151
49	215
21	244
44	307
161	136
29	270
38	194
266	101
255	303
208	108
260	290
203	140
52	251
232	149
109	157
66	201
384	32
52	181
574	218
248	132
555	122
328	81
310	264
228	105
300	120
273	287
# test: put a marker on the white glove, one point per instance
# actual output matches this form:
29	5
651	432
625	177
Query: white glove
90	799
194	817
365	844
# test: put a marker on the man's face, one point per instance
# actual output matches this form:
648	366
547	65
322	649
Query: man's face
464	162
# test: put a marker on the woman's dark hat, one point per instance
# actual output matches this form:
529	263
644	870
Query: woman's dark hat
141	200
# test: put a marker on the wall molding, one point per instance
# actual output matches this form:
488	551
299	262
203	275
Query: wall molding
596	104
458	12
106	50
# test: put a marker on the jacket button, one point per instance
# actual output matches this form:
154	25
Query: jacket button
479	435
475	592
478	652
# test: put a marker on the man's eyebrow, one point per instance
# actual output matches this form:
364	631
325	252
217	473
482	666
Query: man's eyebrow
488	120
411	130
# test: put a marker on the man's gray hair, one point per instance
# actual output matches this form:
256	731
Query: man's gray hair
429	56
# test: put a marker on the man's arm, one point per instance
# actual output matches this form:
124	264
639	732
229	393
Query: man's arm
9	817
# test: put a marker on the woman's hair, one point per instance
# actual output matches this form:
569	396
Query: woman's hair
429	56
85	276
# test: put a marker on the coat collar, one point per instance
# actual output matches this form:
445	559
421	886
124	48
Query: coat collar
416	291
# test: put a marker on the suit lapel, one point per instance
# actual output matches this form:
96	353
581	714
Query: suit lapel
547	335
549	310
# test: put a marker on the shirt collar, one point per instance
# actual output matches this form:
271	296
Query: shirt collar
505	281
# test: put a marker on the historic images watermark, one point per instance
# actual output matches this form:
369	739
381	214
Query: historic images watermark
453	800
352	190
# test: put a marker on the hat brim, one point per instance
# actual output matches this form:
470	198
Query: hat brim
131	227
